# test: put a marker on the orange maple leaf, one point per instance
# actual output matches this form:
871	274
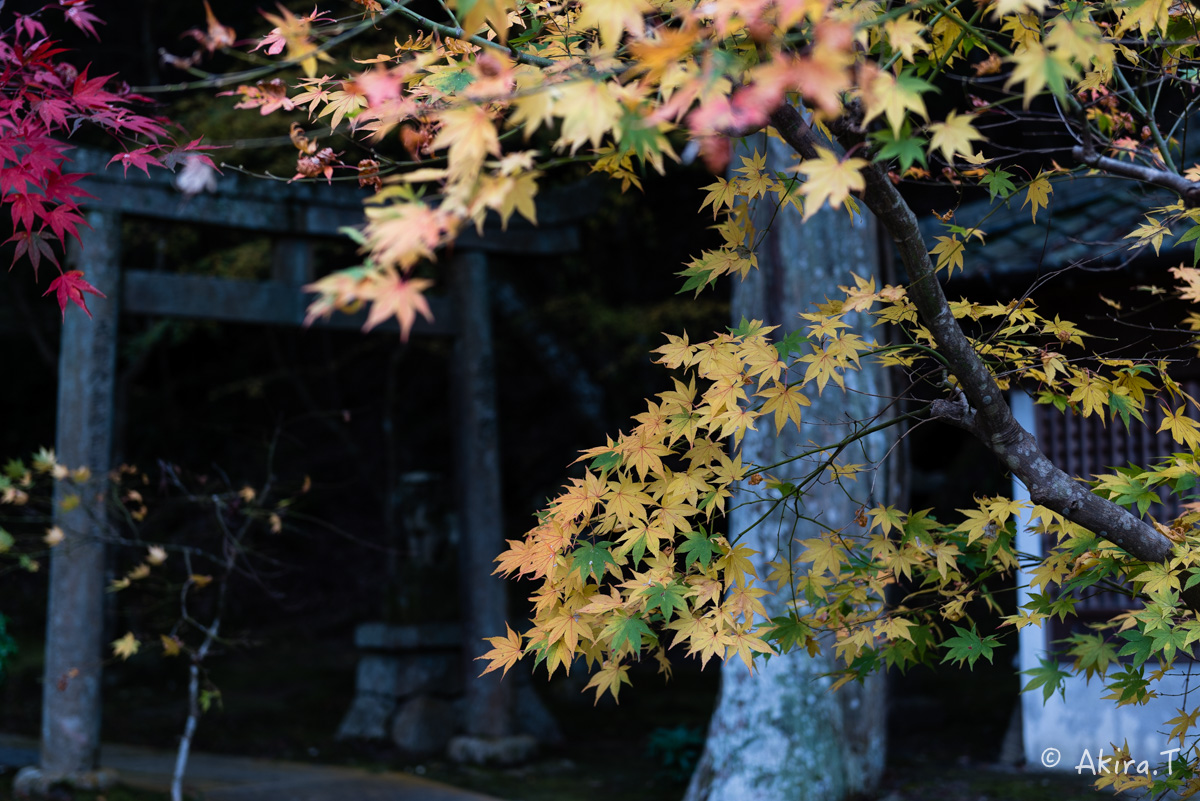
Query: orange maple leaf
400	298
506	652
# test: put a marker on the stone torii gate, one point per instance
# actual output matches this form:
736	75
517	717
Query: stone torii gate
293	216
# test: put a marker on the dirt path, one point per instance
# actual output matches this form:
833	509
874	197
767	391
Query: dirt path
223	778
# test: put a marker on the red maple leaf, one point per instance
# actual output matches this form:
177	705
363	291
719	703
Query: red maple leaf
71	286
29	27
77	14
177	155
90	93
63	220
25	207
141	159
33	245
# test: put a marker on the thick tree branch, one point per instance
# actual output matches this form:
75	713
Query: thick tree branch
987	414
1188	190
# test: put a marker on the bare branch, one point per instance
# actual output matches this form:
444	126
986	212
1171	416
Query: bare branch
1188	190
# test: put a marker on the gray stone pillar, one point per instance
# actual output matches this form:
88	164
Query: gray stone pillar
488	703
74	625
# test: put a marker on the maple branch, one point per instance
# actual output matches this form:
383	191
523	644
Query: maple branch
1151	122
228	79
1188	190
458	33
985	413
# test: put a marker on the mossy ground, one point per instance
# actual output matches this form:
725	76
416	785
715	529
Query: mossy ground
118	793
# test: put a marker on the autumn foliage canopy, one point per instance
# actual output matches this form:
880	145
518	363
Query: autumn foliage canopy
477	101
44	100
482	98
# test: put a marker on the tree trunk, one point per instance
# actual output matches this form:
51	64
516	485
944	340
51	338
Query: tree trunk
780	733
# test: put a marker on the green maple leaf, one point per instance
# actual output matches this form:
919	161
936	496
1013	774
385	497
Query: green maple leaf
791	344
627	630
968	646
905	147
591	559
1139	646
698	547
697	278
1167	640
919	525
998	182
644	141
1128	686
1049	678
609	460
1192	234
665	598
787	632
1123	405
1093	654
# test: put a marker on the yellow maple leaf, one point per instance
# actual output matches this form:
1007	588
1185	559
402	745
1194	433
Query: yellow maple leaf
722	194
470	135
612	18
736	564
567	626
824	553
506	194
1091	392
883	94
785	401
1004	8
588	110
1184	430
905	36
126	647
954	135
862	296
1189	277
399	234
609	678
1026	29
742	642
830	178
476	13
1157	578
1148	15
171	644
1151	231
757	179
895	628
1036	67
1183	724
626	501
949	251
1038	195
